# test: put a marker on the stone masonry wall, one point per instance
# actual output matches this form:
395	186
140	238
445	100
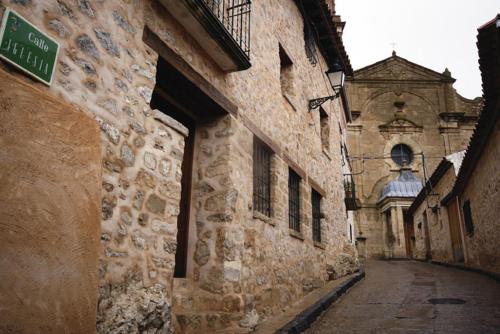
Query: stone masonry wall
482	250
106	70
241	269
439	227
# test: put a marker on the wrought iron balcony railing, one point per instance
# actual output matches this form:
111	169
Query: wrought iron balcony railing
221	27
235	17
350	193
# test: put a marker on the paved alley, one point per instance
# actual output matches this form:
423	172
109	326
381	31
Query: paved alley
415	297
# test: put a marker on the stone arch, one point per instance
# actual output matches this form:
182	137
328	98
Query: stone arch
381	92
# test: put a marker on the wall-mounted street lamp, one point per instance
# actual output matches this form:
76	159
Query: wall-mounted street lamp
336	78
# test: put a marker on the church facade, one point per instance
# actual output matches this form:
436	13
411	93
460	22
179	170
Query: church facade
405	119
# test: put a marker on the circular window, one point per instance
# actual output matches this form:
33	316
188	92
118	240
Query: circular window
402	154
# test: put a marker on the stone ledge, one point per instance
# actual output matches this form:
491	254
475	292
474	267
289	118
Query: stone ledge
264	218
326	153
290	102
296	235
302	314
319	245
170	122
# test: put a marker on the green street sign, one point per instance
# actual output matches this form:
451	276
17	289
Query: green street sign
26	47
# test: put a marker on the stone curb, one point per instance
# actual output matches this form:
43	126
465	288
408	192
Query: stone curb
490	274
304	319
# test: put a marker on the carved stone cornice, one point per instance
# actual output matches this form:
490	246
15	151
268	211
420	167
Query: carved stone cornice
401	125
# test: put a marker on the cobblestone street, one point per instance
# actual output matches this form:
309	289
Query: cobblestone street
414	297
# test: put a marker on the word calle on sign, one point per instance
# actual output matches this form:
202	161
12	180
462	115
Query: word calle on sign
25	46
38	42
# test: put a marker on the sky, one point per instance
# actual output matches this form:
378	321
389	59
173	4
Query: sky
432	33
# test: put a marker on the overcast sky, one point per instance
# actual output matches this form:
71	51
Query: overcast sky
432	33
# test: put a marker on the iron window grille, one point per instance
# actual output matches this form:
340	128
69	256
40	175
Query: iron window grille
402	154
261	178
235	16
316	215
293	200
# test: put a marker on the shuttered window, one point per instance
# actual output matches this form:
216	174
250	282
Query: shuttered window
316	215
261	178
293	200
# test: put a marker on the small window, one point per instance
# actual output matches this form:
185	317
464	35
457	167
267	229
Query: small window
402	154
316	215
324	123
286	72
310	42
261	178
293	200
469	226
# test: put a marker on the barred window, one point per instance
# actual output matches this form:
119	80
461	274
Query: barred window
261	178
293	200
469	226
316	215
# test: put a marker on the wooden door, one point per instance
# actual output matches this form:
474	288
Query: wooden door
455	233
428	253
409	235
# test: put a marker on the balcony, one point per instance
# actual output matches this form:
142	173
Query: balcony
221	27
351	203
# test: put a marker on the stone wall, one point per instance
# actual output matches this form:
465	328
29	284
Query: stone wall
398	102
106	70
439	226
241	269
481	248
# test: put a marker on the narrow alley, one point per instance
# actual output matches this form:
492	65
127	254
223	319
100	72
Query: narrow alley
237	166
415	297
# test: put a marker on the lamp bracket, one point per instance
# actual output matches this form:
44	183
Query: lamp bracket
316	103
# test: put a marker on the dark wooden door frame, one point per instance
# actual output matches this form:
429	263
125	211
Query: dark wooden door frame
181	253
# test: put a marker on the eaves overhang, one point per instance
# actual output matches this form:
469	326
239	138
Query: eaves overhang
328	38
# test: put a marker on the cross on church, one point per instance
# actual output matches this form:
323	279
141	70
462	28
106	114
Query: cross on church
393	48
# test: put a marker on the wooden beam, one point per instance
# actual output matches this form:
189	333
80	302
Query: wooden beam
293	165
316	187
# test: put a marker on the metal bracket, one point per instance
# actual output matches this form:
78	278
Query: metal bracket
316	103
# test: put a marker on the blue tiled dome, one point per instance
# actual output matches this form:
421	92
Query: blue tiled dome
406	185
